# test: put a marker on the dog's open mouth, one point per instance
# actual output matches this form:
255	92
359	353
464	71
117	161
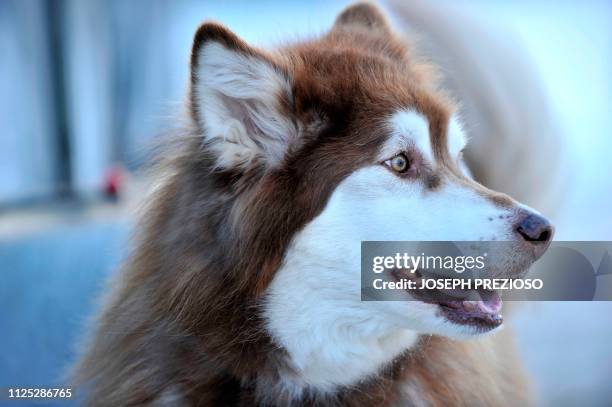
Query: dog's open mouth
483	313
477	308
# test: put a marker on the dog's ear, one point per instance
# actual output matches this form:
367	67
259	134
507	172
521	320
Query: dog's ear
363	16
240	100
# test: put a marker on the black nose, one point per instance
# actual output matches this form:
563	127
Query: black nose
535	230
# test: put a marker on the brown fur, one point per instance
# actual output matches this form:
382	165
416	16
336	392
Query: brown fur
182	325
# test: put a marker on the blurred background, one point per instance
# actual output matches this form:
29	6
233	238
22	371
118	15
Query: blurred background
87	86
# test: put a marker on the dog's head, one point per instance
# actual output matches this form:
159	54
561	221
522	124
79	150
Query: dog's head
332	142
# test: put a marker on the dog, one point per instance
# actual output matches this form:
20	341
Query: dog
244	285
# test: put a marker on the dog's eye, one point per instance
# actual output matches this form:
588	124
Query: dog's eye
399	163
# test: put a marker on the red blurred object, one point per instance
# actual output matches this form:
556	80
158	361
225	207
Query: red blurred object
113	181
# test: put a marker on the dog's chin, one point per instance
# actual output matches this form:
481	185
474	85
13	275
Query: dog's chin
458	330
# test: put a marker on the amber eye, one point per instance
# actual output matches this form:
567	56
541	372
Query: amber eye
399	163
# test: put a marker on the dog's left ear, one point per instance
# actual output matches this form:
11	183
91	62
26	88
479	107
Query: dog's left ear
364	16
240	100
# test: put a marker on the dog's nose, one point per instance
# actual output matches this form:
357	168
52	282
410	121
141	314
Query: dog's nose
536	231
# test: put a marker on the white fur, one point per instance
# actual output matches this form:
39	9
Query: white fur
407	129
315	313
456	136
238	97
313	305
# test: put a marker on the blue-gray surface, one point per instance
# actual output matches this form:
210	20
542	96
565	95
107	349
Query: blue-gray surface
50	284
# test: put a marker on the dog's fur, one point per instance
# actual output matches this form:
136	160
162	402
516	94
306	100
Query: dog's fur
244	288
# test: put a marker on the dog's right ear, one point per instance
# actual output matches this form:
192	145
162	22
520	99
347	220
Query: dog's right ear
240	100
363	16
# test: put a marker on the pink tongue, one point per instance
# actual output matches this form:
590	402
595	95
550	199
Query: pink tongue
490	302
